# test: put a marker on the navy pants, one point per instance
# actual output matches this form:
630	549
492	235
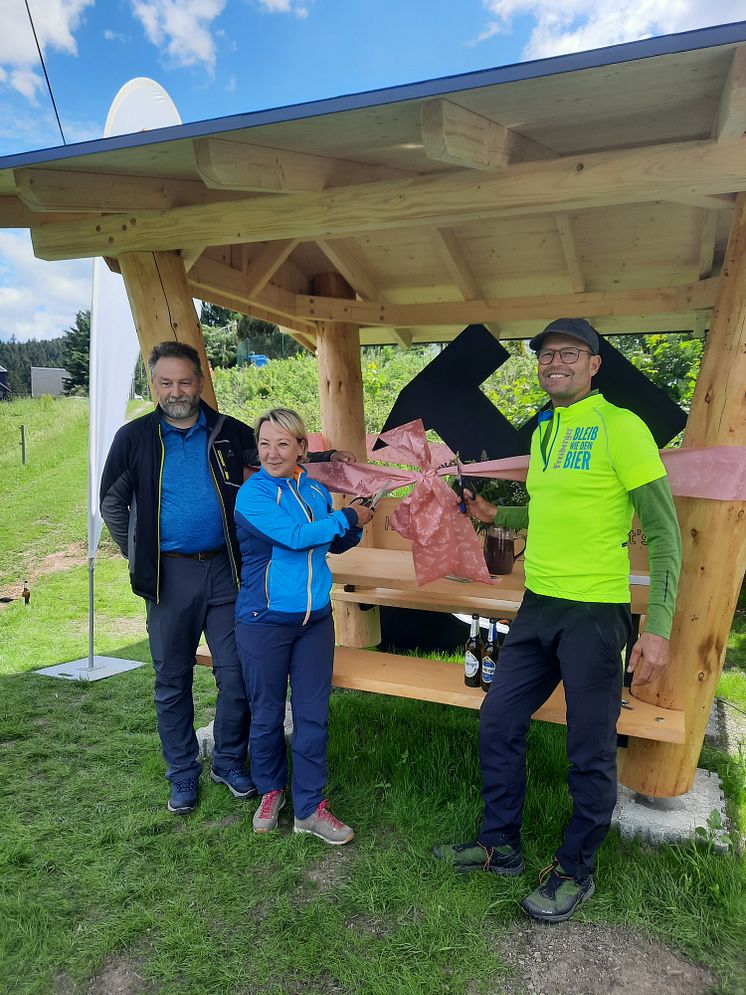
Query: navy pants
270	655
581	644
197	596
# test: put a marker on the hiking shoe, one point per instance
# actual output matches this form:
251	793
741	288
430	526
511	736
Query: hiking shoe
557	896
474	856
183	797
267	815
237	781
323	824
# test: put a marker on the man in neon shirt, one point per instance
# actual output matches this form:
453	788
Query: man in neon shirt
592	465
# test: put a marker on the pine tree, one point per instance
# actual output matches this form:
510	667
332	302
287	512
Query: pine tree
76	353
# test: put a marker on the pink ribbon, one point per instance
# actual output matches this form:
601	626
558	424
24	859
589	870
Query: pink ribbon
443	540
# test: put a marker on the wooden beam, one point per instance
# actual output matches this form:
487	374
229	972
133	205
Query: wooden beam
675	300
700	324
717	202
15	214
265	264
731	116
450	252
162	306
215	281
342	256
65	190
403	337
572	183
707	244
235	166
713	537
307	341
460	137
190	256
570	251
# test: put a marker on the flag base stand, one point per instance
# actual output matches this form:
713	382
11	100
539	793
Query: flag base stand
81	670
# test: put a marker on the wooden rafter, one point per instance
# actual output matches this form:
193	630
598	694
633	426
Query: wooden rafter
236	166
570	251
451	254
669	300
460	137
215	281
571	183
341	255
265	264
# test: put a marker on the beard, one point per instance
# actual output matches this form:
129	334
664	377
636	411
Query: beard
180	410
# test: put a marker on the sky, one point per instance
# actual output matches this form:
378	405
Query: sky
221	57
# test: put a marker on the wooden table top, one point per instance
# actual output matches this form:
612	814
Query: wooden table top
365	566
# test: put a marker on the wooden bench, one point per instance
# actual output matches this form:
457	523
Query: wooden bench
433	680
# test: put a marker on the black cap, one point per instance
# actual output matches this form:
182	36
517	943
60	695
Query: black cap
576	328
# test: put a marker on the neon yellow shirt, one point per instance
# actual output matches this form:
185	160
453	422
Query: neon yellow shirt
584	462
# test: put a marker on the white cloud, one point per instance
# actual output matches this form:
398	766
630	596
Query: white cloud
181	29
284	7
562	26
110	35
55	22
38	299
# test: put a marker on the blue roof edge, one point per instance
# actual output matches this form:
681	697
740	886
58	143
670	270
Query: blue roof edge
648	48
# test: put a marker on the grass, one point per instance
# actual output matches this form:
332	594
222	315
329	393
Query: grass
95	872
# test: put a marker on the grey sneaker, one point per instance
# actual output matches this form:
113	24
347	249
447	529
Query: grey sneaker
323	824
267	815
475	856
557	896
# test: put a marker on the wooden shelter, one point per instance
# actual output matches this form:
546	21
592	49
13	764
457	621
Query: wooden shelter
608	185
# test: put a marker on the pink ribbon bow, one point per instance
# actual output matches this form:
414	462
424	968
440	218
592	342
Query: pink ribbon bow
443	540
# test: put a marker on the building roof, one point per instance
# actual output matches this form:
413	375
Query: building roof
599	183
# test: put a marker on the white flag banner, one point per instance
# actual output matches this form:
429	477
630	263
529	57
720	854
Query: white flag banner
140	105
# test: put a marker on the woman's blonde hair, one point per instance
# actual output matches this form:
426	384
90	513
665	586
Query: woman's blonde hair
286	419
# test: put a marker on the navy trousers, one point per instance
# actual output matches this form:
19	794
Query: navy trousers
197	596
270	655
581	644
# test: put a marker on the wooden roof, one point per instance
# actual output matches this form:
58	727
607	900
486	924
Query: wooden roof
598	184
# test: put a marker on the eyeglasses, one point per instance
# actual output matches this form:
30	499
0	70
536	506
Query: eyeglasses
568	356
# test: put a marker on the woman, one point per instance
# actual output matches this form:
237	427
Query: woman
284	629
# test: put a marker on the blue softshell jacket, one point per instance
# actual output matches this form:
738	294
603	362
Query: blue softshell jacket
285	528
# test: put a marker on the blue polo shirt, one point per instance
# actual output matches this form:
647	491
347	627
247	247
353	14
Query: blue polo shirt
191	518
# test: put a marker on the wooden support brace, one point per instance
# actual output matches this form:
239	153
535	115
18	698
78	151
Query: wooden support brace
162	306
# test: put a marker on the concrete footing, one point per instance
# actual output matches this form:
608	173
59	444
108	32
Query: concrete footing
670	820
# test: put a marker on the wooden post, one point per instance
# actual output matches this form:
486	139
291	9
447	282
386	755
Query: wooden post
343	427
714	544
162	306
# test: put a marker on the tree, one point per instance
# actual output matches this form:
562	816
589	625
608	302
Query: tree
220	345
76	354
265	338
216	316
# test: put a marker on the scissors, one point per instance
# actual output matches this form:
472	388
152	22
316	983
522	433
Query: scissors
371	502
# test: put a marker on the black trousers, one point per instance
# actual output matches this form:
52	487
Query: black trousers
581	644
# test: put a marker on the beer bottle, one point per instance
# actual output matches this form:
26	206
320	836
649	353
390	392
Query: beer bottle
489	657
473	655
